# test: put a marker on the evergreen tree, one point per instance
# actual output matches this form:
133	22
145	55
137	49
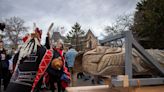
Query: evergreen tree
149	23
75	35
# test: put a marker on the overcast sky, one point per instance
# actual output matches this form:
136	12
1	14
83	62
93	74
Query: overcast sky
93	14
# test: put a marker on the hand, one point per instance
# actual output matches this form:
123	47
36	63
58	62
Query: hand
48	34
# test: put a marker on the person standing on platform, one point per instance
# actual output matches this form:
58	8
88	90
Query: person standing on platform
70	58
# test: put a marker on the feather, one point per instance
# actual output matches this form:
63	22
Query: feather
26	43
25	50
34	26
37	42
30	49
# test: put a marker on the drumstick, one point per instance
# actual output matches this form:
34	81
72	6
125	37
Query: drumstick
50	27
48	33
34	26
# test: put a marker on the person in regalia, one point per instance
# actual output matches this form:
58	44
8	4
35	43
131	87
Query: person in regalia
57	72
30	62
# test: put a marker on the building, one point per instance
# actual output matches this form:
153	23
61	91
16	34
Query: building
89	41
56	36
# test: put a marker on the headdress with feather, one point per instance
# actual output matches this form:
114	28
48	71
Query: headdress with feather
31	42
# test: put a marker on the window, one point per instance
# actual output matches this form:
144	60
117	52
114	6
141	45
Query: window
90	44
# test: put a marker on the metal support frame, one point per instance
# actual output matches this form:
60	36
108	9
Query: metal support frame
128	55
129	43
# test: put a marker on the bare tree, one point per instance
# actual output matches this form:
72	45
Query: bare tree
122	23
14	30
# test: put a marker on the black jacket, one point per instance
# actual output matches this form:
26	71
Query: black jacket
1	51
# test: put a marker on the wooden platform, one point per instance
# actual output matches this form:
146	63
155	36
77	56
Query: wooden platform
105	88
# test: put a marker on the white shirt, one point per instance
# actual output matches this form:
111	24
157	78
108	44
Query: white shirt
11	63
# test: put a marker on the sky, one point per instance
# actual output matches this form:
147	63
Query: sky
90	14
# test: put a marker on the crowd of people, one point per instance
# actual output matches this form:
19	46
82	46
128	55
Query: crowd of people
33	67
6	65
15	68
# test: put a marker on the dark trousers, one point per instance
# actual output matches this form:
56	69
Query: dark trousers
55	79
0	74
70	69
38	86
6	77
0	83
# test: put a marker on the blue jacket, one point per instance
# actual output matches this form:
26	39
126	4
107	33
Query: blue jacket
70	57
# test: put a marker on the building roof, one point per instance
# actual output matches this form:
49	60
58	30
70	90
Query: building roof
57	35
90	32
